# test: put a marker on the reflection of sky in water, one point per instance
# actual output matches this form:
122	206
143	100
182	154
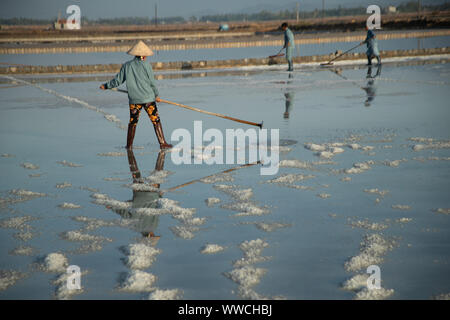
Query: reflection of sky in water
217	54
307	257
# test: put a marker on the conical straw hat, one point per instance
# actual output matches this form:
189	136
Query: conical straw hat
140	49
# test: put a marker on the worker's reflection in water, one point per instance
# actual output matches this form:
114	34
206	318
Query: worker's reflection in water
146	224
371	85
289	97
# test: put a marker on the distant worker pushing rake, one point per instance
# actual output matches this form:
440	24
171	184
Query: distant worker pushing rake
142	91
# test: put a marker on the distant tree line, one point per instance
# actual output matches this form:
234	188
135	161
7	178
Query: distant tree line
264	15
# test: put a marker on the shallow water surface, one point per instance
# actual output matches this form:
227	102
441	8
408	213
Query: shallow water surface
363	180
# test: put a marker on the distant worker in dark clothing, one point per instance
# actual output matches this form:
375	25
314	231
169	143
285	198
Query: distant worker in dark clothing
372	47
289	97
371	86
288	45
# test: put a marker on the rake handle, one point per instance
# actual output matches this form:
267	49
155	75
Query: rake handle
213	113
344	53
203	111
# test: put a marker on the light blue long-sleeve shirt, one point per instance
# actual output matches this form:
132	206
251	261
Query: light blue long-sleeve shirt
289	43
140	80
288	38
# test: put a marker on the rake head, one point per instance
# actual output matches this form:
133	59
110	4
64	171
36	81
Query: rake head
326	64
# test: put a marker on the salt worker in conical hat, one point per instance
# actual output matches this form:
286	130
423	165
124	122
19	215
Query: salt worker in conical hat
142	91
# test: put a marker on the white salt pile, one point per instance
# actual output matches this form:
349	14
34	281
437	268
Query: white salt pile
421	139
401	207
114	119
221	177
16	222
442	210
62	291
295	163
76	235
368	148
24	235
365	224
243	205
359	167
63	185
336	150
289	178
442	296
325	154
30	166
381	193
91	242
55	262
211	249
315	147
403	220
357	282
184	215
115	179
140	256
269	226
68	205
105	200
246	209
212	201
394	163
22	251
111	154
374	294
246	276
429	143
26	194
169	294
138	281
172	207
9	277
93	223
89	189
373	248
295	186
326	151
184	232
158	176
252	252
439	158
233	191
354	146
68	164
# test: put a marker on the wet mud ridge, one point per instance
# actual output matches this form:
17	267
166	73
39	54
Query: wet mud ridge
214	64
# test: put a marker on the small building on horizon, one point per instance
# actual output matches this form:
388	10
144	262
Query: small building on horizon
64	24
392	9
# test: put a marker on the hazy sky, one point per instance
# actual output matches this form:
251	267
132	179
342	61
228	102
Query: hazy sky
44	9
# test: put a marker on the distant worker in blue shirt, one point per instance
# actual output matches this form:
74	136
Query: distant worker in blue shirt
372	47
288	45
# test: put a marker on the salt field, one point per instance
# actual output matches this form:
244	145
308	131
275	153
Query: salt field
363	180
219	54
